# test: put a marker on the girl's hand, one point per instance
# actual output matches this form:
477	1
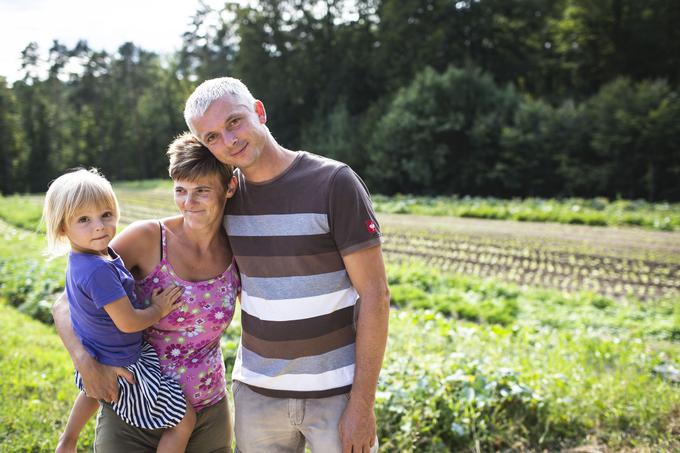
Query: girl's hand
166	299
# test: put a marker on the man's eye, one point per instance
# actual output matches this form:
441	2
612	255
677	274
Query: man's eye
210	139
235	122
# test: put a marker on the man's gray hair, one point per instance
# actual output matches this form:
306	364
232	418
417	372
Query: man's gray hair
211	90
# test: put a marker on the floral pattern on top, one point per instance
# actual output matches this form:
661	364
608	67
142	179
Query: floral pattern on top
187	341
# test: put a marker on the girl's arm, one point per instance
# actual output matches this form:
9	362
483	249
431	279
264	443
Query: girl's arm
129	319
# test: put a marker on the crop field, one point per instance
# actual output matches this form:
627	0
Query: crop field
504	335
614	262
617	262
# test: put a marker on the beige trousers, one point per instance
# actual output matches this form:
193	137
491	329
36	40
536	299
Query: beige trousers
284	425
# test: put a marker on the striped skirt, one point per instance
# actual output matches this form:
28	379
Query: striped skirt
154	401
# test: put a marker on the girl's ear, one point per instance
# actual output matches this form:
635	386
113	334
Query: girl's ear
232	186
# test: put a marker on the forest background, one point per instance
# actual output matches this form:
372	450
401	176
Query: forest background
481	97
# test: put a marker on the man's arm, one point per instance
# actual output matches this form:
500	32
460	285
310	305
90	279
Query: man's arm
99	380
367	272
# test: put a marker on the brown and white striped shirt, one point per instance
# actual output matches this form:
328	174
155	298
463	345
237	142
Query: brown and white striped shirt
289	235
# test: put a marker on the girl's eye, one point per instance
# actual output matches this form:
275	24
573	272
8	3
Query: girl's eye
107	214
82	219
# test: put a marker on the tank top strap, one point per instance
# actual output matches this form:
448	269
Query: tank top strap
164	242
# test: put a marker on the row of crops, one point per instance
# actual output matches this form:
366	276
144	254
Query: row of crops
528	263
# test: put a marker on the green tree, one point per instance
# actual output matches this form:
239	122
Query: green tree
635	138
527	164
12	147
598	40
441	134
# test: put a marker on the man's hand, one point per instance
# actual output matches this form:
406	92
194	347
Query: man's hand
367	272
101	381
357	427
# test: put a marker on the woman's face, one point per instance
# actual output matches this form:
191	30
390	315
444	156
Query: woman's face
202	201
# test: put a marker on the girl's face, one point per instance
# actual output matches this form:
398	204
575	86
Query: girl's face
202	201
91	230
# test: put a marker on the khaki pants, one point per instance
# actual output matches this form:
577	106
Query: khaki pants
277	425
212	433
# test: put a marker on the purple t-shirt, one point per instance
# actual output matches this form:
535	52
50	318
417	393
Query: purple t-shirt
92	282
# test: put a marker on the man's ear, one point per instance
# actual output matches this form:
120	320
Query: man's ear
260	111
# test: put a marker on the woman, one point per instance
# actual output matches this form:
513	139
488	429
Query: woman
190	250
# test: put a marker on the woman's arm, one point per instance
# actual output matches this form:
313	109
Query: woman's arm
99	380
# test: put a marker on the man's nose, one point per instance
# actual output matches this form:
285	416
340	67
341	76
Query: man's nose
229	138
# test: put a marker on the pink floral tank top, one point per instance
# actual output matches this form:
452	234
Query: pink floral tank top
187	341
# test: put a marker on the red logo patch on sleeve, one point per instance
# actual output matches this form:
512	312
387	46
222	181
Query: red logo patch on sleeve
371	227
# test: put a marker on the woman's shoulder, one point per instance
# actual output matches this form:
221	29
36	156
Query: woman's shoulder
143	230
139	243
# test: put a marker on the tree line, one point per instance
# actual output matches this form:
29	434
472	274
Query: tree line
479	97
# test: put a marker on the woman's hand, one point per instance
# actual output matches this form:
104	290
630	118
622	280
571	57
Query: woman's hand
100	381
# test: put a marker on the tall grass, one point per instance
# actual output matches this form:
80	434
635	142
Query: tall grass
36	386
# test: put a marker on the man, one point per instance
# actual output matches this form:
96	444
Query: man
315	300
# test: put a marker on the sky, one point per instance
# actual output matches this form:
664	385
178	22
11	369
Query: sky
154	25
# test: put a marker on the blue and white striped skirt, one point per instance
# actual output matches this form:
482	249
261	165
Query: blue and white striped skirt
154	401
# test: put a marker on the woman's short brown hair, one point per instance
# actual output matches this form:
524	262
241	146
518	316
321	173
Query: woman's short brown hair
190	160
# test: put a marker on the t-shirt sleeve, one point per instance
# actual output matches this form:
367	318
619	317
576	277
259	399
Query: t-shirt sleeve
104	285
353	223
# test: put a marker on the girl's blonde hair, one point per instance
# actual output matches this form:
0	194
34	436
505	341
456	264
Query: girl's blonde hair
68	194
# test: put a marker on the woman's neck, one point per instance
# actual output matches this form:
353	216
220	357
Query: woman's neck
203	239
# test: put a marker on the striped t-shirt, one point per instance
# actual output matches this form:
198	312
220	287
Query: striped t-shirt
288	236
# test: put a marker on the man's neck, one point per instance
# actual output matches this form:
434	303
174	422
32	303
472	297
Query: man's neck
274	160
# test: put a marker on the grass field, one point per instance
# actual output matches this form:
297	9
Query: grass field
476	361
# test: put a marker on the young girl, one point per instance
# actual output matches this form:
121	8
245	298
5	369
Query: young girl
81	211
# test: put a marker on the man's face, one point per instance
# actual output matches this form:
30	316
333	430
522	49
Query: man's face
235	133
